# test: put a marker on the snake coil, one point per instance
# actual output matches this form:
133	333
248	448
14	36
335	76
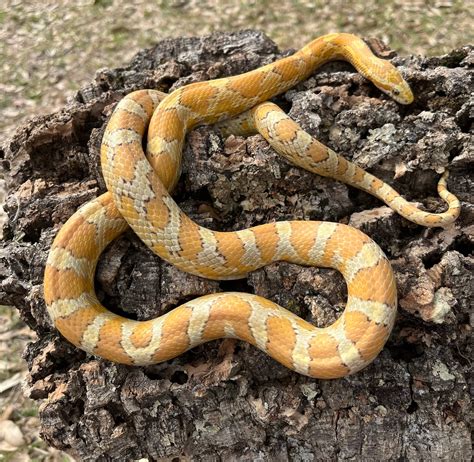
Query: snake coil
139	197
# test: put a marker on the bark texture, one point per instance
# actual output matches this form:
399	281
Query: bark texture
226	400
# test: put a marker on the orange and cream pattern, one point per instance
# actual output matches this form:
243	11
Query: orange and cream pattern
139	197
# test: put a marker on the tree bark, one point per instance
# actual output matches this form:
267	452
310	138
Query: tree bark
226	400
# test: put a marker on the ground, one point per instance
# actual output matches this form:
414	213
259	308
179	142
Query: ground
50	49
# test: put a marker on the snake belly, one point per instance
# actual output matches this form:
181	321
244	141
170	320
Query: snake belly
139	196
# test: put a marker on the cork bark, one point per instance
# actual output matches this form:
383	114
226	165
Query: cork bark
226	400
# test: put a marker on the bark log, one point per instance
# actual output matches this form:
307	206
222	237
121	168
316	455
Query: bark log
226	400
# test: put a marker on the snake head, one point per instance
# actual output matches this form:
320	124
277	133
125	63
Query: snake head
390	81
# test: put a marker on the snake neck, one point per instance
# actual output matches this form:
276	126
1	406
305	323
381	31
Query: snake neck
212	101
347	47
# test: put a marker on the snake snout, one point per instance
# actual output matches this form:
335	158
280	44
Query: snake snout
398	87
402	93
388	79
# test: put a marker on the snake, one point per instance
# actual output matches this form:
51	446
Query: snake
138	196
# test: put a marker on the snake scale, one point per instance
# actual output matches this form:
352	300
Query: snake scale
138	196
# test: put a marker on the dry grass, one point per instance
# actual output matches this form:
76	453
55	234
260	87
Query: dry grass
48	49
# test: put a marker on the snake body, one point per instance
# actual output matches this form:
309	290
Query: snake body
139	197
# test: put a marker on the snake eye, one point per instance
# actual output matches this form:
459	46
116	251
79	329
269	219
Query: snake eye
396	92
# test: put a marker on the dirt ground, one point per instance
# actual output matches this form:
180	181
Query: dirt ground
50	49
